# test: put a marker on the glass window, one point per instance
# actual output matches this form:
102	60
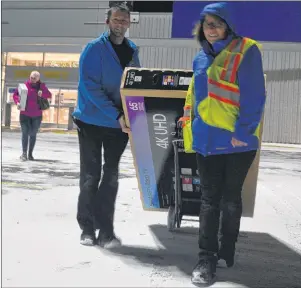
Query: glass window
68	97
14	111
3	61
54	93
2	92
61	100
2	72
50	115
61	60
24	59
3	58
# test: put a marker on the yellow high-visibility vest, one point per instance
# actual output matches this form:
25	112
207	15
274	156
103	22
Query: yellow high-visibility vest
221	107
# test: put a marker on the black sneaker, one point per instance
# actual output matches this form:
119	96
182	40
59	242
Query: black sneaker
87	239
23	157
204	272
30	157
108	242
227	252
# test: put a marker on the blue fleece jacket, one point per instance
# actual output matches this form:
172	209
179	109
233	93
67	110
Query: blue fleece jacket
209	140
100	72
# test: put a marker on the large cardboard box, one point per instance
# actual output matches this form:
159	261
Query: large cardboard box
23	91
153	101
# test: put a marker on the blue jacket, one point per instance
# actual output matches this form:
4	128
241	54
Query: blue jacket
208	140
100	73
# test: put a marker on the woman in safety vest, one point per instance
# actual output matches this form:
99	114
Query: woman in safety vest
221	122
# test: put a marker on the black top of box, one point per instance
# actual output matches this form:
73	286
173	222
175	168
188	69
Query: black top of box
158	79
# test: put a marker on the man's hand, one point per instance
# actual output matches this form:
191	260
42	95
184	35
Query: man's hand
18	106
124	128
237	143
40	93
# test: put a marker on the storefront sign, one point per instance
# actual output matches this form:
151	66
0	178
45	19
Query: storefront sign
16	74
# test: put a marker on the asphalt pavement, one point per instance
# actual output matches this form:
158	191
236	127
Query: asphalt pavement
40	236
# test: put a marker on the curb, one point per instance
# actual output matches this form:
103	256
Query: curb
74	131
42	130
279	145
59	131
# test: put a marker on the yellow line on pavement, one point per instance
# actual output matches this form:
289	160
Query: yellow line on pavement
23	185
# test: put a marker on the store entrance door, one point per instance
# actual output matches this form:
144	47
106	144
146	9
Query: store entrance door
62	100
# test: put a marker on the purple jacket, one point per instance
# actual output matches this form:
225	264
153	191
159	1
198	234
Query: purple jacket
32	107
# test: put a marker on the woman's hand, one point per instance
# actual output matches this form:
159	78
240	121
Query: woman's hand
180	123
237	143
40	93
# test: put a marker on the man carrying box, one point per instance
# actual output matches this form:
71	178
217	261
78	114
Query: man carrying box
101	125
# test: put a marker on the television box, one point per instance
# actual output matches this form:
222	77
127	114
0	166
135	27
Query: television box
153	101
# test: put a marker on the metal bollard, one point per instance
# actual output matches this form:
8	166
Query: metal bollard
7	120
70	120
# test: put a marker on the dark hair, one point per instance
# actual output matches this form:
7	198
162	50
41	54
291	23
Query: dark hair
122	7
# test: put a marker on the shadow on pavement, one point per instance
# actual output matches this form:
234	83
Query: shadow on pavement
47	161
261	260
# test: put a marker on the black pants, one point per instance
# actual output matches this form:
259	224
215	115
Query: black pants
30	127
96	202
222	177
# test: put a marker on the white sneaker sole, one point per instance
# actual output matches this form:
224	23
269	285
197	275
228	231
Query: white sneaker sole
199	281
87	242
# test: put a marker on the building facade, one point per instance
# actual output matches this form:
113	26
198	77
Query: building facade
48	36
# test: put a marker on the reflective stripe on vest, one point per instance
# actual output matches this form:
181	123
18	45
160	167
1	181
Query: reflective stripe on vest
187	111
233	60
188	117
223	93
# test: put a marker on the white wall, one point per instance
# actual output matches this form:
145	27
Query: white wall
53	19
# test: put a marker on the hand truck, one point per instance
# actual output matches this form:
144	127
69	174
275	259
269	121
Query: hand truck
175	210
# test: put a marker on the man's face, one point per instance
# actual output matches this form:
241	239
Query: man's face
118	23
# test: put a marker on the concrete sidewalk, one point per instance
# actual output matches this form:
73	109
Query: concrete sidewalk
41	237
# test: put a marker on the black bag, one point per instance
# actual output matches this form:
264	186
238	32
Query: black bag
43	103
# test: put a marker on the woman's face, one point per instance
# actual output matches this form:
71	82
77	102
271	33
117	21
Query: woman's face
34	78
214	29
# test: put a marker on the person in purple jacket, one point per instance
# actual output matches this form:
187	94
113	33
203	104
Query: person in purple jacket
31	118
